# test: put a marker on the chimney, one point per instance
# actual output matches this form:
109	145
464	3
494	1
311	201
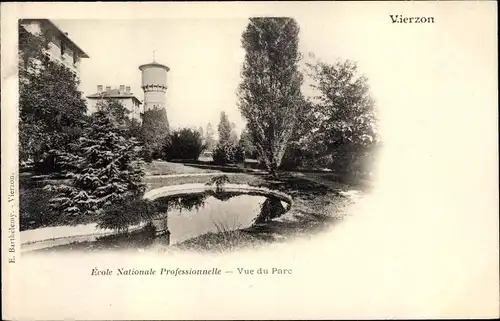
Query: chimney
108	88
127	89
122	88
99	89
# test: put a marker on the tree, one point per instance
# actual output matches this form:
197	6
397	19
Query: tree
247	144
233	135
227	150
121	115
185	143
209	137
346	123
116	110
102	167
269	95
299	151
228	153
155	130
224	128
52	111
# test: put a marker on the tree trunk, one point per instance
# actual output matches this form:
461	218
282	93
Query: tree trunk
273	170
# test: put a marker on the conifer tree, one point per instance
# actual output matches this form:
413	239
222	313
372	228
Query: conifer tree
102	166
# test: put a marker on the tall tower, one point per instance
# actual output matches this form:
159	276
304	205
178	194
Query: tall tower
154	85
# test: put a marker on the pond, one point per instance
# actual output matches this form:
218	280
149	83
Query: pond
184	215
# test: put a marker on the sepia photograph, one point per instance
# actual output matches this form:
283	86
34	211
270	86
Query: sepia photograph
288	140
320	160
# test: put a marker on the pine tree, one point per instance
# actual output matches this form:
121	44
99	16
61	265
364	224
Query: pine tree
224	128
103	168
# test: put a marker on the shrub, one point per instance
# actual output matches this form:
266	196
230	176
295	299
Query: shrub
184	144
296	157
34	211
239	154
224	153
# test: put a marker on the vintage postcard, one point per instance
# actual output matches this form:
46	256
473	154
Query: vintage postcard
249	160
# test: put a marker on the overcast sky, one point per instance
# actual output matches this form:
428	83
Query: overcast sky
205	57
411	68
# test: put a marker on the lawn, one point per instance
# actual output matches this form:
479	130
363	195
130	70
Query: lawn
168	168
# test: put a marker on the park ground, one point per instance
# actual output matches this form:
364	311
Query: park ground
319	200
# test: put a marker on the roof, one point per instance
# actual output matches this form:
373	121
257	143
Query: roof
153	64
113	93
62	34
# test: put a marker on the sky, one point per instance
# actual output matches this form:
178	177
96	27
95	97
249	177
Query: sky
205	57
412	69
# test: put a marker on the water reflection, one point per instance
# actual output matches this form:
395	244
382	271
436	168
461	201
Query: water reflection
186	216
271	208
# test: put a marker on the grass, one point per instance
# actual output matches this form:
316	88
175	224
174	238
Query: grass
168	168
237	178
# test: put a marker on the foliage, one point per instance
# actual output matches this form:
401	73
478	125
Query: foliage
269	96
218	180
134	129
103	168
209	138
239	154
228	153
120	115
346	131
233	136
30	50
297	156
184	144
155	130
115	109
247	145
34	211
224	128
52	112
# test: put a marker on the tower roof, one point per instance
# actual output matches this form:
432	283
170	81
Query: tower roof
153	64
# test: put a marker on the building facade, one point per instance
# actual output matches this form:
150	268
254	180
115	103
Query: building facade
60	47
122	95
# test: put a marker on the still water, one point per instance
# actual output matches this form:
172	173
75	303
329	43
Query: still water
182	217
